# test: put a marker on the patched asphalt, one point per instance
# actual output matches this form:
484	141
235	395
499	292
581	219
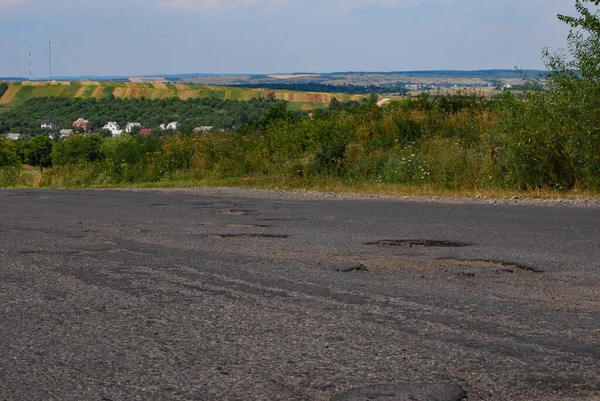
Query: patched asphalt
119	295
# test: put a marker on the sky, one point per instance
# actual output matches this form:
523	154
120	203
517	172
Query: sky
147	37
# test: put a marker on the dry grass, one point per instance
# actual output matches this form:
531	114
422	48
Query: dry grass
370	190
10	94
142	80
31	83
291	76
187	94
97	92
81	91
119	92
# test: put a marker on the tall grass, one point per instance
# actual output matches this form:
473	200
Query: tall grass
459	143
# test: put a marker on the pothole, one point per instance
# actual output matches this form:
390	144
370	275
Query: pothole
507	267
252	235
350	267
443	266
418	243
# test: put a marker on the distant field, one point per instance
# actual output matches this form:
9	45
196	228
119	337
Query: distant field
18	92
295	76
483	78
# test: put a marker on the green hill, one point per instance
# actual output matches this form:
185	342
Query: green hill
19	92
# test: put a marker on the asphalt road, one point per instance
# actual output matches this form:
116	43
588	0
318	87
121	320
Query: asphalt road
169	296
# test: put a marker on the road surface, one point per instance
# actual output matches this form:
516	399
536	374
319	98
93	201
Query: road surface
120	295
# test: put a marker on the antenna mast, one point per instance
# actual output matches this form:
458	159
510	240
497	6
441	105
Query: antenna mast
49	61
30	62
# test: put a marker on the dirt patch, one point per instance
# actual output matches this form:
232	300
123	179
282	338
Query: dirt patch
319	98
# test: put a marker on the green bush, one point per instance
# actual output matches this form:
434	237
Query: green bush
77	149
8	153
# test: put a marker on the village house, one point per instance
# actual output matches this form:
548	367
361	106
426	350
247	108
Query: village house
49	124
113	127
204	129
66	132
130	127
173	126
82	123
13	136
146	131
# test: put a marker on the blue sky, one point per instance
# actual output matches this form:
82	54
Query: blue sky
139	37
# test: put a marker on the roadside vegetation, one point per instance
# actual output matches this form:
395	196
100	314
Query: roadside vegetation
548	140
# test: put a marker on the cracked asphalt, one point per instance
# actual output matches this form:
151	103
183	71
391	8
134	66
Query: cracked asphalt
122	295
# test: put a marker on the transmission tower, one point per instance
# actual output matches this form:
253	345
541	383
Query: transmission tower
49	61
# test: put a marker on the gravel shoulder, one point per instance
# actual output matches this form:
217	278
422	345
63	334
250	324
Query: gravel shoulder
315	195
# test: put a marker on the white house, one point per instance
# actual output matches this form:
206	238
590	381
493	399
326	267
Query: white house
174	126
66	132
204	129
130	127
113	127
13	136
49	124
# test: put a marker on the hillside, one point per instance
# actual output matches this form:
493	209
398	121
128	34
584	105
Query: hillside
19	92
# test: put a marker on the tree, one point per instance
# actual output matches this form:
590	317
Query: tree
8	153
39	151
335	104
77	149
3	88
554	136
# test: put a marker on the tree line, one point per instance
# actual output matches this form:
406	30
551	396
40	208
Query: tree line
3	88
26	119
328	88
